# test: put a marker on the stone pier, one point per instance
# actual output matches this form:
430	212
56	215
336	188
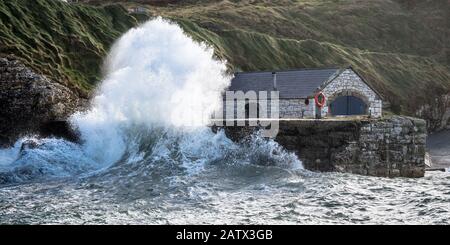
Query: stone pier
388	147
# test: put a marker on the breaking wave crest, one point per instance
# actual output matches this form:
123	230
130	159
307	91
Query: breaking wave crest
150	111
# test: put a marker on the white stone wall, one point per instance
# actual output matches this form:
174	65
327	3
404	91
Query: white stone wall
349	82
288	108
296	108
233	107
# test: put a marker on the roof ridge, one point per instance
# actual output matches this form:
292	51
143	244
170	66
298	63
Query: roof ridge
295	69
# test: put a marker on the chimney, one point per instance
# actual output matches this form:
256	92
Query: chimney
274	76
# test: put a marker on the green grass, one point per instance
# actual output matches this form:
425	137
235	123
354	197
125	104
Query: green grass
66	42
399	46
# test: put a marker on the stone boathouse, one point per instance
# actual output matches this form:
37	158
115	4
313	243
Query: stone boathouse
346	92
326	135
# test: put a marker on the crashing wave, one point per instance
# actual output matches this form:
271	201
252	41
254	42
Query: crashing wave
153	107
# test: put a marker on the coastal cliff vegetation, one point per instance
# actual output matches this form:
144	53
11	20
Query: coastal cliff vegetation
401	47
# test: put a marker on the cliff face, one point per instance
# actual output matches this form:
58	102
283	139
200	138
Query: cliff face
436	112
29	101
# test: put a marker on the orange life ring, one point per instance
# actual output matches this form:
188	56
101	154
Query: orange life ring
320	99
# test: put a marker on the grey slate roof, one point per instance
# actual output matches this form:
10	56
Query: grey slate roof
290	84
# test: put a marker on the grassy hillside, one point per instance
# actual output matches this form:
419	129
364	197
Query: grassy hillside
65	42
400	46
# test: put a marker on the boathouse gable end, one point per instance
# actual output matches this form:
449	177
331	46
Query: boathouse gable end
350	85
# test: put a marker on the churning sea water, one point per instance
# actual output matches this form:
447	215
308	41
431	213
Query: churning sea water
226	193
147	157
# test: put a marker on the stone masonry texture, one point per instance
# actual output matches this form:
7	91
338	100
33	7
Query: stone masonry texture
388	147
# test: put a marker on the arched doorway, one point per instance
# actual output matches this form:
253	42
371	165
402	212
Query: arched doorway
348	105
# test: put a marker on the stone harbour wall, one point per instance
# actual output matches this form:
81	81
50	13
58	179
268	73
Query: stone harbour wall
392	148
389	147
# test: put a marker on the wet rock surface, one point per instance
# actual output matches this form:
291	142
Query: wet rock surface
30	101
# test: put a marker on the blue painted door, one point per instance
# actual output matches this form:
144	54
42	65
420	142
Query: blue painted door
348	105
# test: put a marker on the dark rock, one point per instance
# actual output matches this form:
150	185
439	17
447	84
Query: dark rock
29	101
436	112
59	129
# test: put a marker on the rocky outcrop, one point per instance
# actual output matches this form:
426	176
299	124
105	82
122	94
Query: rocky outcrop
445	122
438	147
436	112
29	101
389	147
